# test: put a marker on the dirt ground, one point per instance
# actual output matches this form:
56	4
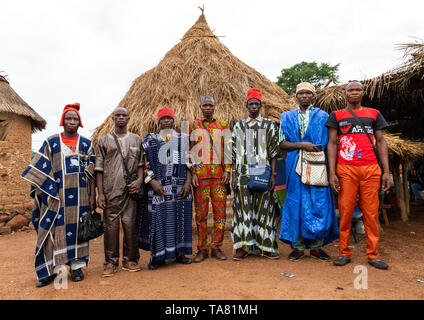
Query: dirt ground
401	246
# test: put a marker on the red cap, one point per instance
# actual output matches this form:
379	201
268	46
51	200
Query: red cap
254	93
71	107
165	111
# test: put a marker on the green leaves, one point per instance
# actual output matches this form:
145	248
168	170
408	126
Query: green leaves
309	72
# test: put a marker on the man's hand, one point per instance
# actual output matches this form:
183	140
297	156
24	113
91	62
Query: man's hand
233	181
101	201
334	183
225	179
92	202
186	190
195	180
134	186
271	183
157	187
385	182
39	192
309	146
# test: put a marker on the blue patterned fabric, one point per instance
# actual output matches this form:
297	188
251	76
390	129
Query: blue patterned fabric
166	229
308	211
63	180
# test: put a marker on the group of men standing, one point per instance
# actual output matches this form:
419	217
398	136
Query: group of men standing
65	175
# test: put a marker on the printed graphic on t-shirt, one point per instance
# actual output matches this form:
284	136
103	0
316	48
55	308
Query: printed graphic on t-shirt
348	148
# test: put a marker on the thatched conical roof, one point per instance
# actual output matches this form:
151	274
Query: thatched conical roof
11	102
197	65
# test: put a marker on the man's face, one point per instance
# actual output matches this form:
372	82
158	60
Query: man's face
304	97
121	118
354	93
166	122
71	122
207	107
254	106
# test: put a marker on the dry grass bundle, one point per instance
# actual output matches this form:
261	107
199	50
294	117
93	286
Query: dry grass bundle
198	65
10	102
331	98
404	148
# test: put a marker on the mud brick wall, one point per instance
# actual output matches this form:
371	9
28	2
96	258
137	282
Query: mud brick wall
15	155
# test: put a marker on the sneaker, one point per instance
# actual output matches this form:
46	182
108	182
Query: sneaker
77	275
379	264
341	261
295	255
319	254
109	270
131	266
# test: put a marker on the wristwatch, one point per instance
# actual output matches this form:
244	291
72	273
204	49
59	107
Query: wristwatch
274	173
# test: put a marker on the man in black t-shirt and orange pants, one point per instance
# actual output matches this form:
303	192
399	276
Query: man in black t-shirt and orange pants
357	169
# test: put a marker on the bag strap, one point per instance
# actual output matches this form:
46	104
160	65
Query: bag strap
247	140
365	131
122	156
213	146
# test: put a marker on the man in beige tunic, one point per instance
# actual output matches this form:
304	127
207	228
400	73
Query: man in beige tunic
114	194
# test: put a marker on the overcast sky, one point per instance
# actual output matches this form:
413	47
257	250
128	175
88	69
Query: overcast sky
60	52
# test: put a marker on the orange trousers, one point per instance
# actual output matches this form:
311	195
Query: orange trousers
364	180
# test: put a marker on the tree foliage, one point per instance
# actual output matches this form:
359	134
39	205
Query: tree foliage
309	72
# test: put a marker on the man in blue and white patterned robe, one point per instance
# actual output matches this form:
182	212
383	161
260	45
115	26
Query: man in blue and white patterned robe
60	182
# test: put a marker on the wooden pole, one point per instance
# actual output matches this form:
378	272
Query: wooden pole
399	189
405	186
328	83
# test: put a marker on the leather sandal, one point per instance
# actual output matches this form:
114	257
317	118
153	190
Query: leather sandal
379	264
240	256
341	261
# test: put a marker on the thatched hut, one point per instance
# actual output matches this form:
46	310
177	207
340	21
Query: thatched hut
17	122
399	95
197	65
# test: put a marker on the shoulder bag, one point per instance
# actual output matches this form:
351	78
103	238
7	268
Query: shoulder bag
90	226
312	168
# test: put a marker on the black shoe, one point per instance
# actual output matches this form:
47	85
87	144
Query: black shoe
379	264
296	255
320	254
45	281
155	264
77	275
341	261
184	260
